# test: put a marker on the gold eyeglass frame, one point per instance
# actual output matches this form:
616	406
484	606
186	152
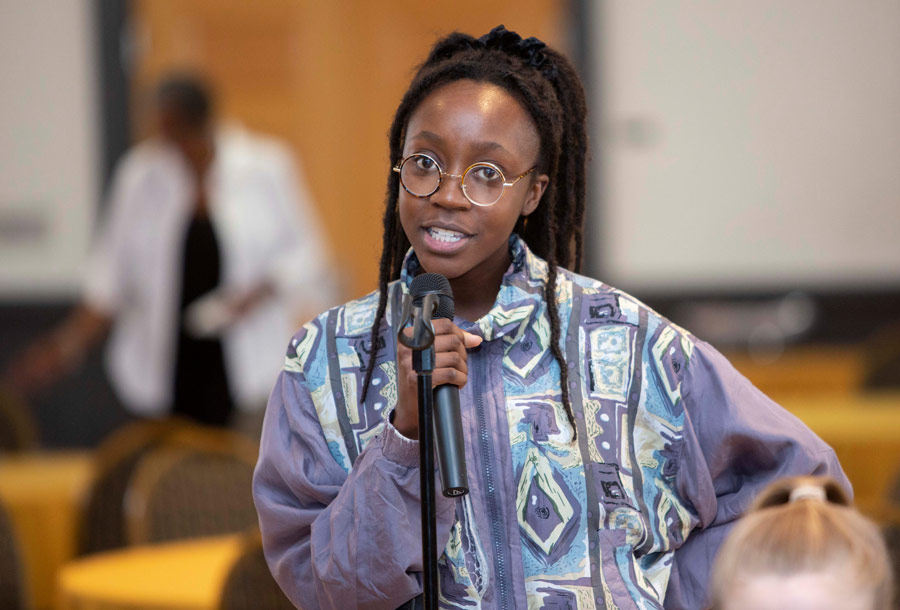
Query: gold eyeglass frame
462	178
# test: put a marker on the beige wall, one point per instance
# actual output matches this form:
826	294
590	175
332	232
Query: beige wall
327	77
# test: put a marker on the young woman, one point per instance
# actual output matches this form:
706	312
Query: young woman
802	546
607	449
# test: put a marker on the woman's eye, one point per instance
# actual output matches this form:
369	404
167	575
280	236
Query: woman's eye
486	173
425	164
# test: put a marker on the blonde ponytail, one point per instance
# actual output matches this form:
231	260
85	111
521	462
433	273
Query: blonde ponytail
804	525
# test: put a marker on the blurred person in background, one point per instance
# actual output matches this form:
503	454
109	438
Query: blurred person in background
802	546
209	253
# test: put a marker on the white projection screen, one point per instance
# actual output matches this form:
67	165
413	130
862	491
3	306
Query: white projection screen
49	149
746	146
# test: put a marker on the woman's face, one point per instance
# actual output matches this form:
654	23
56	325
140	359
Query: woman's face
459	124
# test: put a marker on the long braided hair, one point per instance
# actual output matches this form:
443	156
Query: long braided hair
547	86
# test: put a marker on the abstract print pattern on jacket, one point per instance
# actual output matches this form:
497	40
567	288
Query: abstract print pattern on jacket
672	444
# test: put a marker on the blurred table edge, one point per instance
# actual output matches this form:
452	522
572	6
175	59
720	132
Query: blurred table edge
187	574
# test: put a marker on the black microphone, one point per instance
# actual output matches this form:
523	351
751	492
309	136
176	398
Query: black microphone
447	419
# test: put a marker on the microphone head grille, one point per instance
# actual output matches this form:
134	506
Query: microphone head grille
433	283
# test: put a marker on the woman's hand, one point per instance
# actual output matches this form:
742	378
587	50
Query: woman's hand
450	366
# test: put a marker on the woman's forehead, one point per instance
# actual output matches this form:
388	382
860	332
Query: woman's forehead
472	114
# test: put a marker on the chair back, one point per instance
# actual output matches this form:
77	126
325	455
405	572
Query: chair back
197	484
18	431
12	578
249	584
102	524
891	531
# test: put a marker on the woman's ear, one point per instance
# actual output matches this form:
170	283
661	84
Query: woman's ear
535	192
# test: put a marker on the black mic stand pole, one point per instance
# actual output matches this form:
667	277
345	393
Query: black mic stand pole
422	344
423	364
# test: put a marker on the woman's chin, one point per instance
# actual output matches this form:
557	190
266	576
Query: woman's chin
449	269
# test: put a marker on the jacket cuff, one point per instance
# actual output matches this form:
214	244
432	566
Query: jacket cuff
399	449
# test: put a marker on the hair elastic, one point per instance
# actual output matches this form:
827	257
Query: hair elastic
807	492
530	50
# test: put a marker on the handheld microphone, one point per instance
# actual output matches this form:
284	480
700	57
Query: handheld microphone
447	419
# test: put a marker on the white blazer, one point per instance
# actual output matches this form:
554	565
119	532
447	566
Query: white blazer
267	229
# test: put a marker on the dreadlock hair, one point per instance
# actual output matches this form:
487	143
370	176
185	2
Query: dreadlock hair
547	86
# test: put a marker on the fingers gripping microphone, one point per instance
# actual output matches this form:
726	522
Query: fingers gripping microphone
447	419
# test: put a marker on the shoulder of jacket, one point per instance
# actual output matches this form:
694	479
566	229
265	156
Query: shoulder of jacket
352	319
628	308
144	157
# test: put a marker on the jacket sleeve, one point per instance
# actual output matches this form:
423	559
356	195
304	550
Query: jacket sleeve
107	274
334	539
736	442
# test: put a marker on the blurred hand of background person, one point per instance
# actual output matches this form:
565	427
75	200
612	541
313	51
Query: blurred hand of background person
214	312
58	353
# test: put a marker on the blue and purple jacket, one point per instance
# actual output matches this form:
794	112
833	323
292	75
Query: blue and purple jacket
672	446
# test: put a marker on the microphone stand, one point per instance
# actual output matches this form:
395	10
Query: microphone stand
422	345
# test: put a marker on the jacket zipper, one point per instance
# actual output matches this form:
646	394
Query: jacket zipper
493	508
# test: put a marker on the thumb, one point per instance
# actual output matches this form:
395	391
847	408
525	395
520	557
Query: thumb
471	340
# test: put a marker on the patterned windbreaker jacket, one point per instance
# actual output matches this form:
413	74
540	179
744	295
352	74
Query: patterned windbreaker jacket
672	445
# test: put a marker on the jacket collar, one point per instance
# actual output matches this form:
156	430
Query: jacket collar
519	301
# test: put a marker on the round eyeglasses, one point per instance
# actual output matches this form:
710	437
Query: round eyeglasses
482	183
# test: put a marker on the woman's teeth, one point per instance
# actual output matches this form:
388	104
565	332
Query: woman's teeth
445	235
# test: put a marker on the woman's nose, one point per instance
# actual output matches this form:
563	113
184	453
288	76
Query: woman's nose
450	193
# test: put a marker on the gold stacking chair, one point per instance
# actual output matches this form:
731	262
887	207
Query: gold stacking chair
102	525
195	484
13	594
249	584
18	431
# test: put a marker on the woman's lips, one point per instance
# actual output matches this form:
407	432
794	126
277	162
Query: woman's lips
444	240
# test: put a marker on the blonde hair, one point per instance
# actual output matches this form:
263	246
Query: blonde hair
804	525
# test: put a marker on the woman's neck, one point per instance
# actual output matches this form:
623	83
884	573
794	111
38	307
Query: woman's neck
475	293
